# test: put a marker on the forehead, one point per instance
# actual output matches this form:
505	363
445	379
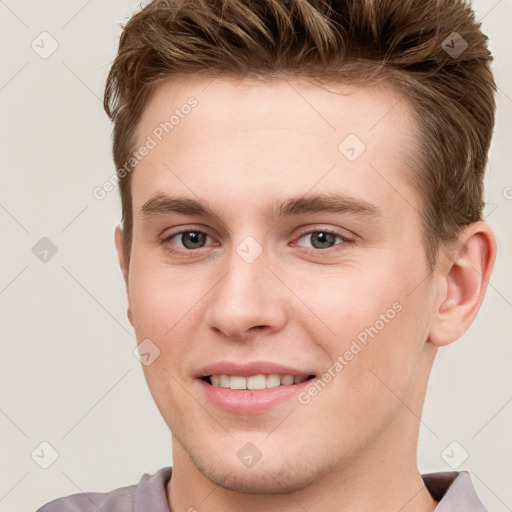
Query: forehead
264	105
217	137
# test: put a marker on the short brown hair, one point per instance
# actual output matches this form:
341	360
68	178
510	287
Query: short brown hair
414	45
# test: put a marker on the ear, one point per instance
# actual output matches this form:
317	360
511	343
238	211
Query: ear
464	269
118	239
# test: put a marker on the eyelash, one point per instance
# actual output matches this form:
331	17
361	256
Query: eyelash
190	252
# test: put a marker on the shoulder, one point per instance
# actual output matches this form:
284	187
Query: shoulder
122	499
118	500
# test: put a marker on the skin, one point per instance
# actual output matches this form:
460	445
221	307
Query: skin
245	145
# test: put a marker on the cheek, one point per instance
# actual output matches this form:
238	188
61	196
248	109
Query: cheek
162	299
352	304
166	310
378	328
163	313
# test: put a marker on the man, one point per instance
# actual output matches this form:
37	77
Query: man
302	197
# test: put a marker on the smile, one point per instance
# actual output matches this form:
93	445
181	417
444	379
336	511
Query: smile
254	382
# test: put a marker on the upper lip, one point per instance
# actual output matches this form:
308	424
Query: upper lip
250	368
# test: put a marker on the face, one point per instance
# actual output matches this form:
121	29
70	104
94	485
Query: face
276	233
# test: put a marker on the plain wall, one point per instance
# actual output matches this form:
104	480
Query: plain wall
68	375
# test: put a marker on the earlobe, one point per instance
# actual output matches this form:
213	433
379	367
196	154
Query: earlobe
466	267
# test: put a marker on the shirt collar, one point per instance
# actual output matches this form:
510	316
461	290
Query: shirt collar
454	490
151	492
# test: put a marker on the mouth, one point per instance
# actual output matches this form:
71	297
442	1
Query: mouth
254	382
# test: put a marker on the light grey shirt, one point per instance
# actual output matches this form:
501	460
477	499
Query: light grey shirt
453	489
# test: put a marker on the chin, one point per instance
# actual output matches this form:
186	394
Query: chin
265	477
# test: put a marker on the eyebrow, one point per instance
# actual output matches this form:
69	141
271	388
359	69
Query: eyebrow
162	204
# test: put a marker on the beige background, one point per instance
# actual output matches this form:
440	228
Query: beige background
68	376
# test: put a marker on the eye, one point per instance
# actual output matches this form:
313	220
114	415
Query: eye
325	238
190	239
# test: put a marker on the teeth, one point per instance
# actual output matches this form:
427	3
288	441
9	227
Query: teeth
237	382
287	380
255	382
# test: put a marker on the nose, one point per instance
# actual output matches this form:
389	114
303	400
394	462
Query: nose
249	299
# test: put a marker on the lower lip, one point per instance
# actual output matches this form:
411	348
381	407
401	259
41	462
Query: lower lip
251	402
